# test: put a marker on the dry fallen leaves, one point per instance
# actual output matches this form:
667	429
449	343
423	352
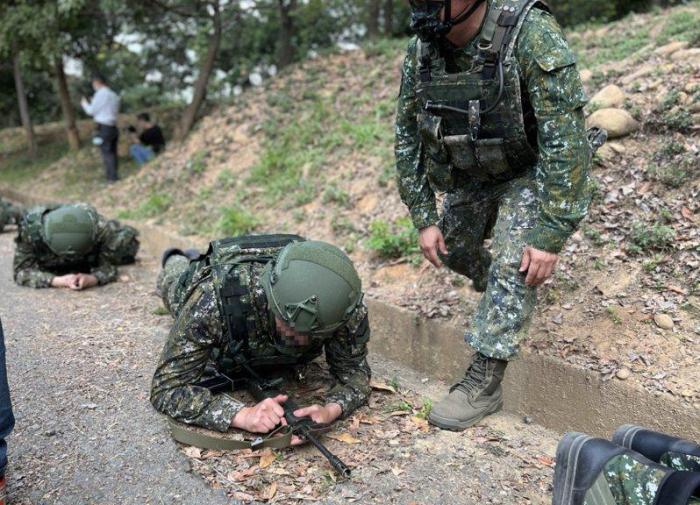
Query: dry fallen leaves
270	492
193	452
421	424
267	458
381	386
346	438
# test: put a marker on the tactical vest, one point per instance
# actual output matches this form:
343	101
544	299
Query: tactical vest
221	264
472	123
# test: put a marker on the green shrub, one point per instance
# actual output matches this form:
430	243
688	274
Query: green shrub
646	238
155	205
235	221
393	241
336	195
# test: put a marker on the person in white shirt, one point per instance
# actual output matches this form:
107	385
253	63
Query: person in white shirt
104	109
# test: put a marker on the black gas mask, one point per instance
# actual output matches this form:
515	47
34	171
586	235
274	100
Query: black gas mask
426	21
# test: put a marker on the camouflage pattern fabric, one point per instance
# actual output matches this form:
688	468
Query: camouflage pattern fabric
197	342
630	482
681	462
552	84
507	211
541	209
35	265
9	214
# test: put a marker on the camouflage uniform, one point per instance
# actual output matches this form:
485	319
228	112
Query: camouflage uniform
630	482
197	341
9	214
35	265
541	207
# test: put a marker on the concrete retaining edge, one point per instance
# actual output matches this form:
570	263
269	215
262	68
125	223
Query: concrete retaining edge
550	391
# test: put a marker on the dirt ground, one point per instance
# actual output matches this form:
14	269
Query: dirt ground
80	366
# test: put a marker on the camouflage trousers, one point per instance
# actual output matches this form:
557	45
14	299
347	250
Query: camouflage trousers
626	481
504	212
170	284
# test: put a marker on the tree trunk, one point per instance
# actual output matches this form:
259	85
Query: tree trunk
388	17
285	47
200	87
23	107
66	105
373	18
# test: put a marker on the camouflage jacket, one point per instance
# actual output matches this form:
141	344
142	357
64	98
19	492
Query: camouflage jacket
551	81
197	340
35	265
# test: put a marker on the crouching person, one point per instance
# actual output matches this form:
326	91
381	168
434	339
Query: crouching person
71	246
256	302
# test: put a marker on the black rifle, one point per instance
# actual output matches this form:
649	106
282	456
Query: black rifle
303	427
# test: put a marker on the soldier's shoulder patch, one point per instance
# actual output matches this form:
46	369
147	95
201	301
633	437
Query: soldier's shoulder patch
544	41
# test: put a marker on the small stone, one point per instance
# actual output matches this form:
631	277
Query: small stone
586	75
663	321
642	71
687	55
671	48
527	420
617	147
89	406
610	96
687	393
50	433
623	374
617	122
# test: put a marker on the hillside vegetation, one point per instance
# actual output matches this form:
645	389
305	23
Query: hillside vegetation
311	152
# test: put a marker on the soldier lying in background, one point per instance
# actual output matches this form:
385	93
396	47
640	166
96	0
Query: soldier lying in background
9	214
259	302
71	246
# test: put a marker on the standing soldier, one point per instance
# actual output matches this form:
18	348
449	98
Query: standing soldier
9	214
71	246
254	303
490	113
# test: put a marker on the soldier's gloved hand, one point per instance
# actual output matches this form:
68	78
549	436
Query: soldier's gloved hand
63	281
538	264
262	417
84	281
431	242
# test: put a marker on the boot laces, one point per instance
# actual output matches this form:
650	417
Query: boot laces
475	379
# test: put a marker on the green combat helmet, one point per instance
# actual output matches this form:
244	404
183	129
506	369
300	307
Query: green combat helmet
69	230
312	286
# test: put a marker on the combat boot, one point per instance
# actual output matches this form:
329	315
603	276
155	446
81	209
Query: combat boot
477	395
674	452
191	254
583	463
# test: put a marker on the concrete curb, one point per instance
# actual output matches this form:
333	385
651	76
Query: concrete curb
552	392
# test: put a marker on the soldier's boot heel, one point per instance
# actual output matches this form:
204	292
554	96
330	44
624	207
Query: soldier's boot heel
674	452
580	461
579	474
477	395
448	416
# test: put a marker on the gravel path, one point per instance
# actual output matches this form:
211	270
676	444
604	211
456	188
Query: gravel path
80	366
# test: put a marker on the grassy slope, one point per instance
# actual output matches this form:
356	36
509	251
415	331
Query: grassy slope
311	152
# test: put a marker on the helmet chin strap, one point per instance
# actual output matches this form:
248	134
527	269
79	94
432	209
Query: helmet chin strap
466	14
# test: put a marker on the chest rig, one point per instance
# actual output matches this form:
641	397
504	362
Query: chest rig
225	264
472	123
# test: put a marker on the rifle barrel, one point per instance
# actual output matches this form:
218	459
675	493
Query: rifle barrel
334	460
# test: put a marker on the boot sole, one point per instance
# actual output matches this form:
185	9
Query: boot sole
624	435
454	425
568	452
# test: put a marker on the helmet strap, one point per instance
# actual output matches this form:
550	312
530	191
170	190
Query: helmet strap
463	16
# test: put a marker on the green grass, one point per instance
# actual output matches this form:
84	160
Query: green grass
19	167
645	237
235	221
396	240
681	25
155	205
